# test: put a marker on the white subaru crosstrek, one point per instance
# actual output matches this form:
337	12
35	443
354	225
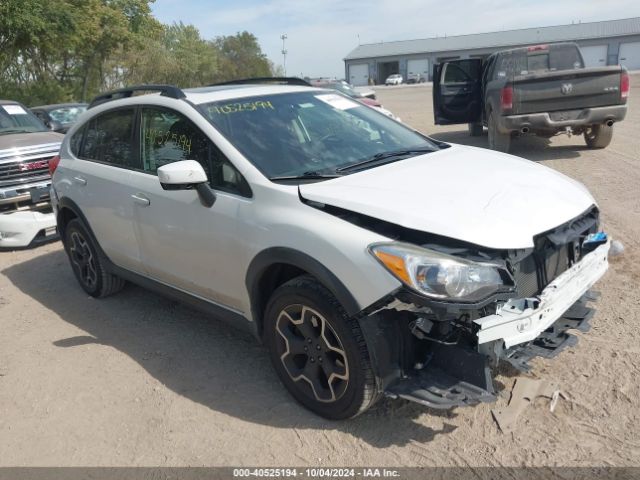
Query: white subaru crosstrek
370	259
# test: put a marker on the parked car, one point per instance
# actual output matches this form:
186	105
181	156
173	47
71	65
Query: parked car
370	259
59	117
348	90
26	146
543	90
395	79
413	78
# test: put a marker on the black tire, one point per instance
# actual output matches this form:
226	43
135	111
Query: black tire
598	136
88	263
475	129
497	140
303	318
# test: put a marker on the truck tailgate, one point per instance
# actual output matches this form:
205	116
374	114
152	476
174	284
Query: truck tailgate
566	90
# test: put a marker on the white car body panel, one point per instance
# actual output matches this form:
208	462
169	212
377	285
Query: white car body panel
518	321
479	196
18	229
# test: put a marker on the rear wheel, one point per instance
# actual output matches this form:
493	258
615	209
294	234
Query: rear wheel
318	351
87	263
475	129
598	136
497	140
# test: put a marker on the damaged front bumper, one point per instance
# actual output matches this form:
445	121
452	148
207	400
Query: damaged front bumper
459	374
522	320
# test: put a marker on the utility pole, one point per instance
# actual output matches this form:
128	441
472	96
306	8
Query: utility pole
284	53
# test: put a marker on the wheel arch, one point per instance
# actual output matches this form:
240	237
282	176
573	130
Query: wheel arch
67	211
274	266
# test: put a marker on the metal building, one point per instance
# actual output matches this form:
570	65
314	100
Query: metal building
602	43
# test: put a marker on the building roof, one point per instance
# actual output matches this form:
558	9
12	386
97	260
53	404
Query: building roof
507	38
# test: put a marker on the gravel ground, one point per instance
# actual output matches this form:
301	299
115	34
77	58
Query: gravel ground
137	379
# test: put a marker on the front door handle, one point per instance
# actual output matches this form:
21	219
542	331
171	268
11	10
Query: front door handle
80	180
140	199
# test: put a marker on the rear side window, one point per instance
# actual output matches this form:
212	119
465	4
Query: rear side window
109	138
462	71
167	136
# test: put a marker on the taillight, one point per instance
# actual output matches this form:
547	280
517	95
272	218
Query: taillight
536	48
53	164
624	85
506	98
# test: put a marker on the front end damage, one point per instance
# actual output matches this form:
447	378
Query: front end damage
441	354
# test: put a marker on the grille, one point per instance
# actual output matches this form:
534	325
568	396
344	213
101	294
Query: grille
27	165
553	254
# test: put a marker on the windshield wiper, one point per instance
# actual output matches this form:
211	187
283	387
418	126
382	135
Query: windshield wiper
307	176
395	154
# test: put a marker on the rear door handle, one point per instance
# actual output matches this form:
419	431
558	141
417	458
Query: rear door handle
80	180
140	199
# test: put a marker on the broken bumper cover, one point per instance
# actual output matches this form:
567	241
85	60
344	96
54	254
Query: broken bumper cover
453	376
26	227
522	320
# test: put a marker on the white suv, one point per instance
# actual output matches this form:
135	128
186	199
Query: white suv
369	258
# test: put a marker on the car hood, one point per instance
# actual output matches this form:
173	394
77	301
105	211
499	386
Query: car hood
12	141
471	194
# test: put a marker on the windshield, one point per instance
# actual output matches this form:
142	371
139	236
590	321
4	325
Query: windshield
66	115
15	118
293	134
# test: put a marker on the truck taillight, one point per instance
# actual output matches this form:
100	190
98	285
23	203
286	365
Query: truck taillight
506	98
624	85
53	164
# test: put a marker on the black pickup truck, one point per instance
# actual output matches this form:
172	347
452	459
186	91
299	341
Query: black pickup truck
543	90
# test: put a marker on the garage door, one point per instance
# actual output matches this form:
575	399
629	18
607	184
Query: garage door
630	55
418	66
594	56
359	74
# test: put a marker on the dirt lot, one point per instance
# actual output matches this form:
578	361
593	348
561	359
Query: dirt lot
136	379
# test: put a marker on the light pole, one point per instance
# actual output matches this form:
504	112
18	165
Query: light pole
284	53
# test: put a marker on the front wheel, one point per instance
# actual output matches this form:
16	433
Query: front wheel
497	140
318	351
598	136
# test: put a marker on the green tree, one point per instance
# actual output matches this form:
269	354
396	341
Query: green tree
241	57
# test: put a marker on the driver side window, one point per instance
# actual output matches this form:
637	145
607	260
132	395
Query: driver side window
167	136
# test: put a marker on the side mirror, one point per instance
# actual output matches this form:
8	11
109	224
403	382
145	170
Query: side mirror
54	126
187	175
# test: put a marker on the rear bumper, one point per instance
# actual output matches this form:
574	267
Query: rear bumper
24	228
543	121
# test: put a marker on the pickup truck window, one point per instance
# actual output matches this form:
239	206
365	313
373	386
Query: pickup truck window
533	60
460	72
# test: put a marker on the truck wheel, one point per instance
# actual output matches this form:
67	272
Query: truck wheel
497	141
598	136
87	263
475	129
318	351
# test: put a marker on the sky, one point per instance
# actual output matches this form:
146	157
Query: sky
320	33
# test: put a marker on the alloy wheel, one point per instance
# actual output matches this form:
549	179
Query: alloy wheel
312	353
83	260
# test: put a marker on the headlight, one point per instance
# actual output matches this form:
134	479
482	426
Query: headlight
438	275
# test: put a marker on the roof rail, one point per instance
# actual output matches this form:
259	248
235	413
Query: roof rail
166	90
266	80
